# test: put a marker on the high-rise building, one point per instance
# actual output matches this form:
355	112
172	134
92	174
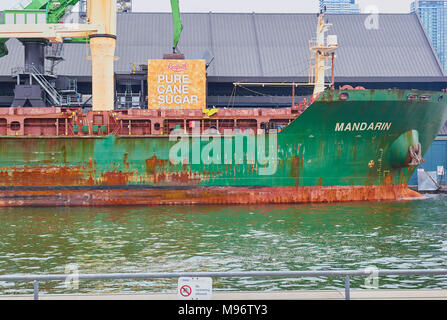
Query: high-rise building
124	5
433	14
339	6
121	6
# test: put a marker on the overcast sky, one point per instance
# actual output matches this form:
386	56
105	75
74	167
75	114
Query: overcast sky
384	6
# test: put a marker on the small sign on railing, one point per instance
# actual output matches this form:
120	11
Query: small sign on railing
195	288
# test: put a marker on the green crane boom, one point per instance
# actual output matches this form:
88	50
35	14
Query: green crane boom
56	10
177	23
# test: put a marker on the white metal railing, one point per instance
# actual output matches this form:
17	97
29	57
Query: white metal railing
254	274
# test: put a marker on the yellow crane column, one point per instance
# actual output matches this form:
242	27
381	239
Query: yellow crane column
102	46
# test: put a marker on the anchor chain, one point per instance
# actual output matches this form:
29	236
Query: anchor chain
416	155
416	160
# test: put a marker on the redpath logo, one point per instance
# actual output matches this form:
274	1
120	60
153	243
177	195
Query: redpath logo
177	67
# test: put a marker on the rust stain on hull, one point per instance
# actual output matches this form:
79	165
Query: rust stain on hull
46	176
42	176
205	195
115	178
154	163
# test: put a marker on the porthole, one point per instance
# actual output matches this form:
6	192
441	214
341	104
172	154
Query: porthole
344	96
15	126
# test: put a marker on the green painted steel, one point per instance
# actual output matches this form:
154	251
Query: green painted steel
178	27
58	9
361	141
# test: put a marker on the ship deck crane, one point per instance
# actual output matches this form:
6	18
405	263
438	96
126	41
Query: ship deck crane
101	29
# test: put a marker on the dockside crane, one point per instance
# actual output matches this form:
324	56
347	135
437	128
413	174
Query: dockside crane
36	22
33	12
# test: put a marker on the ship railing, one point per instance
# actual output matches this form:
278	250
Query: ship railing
19	70
346	274
47	86
328	44
137	67
31	70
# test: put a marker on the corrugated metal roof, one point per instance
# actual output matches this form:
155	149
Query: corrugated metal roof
262	45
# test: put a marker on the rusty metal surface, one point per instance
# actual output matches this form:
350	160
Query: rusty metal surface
204	195
56	121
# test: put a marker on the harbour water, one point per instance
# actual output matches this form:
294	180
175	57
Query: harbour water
385	235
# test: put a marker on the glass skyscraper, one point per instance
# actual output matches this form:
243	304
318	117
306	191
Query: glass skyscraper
433	14
340	6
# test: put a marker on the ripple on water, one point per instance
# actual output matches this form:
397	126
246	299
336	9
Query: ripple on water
387	235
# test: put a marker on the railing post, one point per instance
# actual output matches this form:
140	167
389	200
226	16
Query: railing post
347	288
36	290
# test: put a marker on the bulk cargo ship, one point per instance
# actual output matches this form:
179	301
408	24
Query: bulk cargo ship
350	144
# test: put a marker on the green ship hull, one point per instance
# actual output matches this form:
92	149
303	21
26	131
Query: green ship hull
347	146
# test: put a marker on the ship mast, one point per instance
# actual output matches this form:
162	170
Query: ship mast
323	48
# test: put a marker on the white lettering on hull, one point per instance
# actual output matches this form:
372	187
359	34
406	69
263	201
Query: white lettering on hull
362	126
